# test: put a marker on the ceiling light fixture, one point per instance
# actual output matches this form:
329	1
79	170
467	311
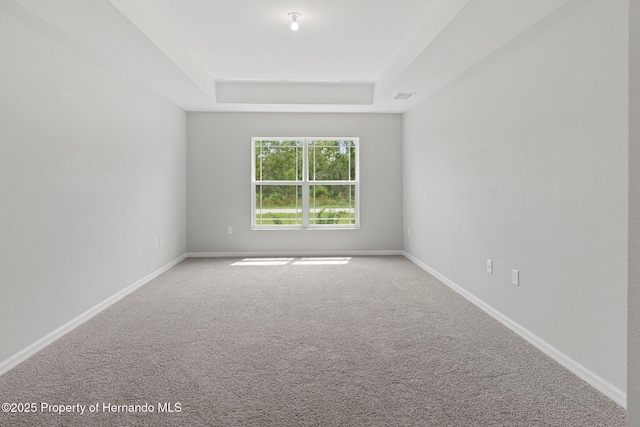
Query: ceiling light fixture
294	20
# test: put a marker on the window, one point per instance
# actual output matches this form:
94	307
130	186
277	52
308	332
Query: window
304	183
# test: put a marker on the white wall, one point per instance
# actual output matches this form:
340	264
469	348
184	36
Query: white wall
92	171
523	159
219	164
634	216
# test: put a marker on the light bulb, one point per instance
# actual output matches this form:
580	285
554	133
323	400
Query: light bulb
294	20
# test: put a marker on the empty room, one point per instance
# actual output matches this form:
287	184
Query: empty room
319	213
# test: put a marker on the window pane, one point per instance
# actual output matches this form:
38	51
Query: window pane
332	160
278	205
278	160
332	204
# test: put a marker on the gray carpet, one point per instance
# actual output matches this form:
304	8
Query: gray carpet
375	342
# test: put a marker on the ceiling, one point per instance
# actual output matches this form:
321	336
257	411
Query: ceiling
241	55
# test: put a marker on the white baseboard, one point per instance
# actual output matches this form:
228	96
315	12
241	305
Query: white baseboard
29	351
291	254
582	372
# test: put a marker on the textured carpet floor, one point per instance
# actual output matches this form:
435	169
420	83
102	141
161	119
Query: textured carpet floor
375	342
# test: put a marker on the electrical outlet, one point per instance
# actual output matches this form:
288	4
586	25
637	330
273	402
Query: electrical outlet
160	241
408	231
229	230
489	266
515	277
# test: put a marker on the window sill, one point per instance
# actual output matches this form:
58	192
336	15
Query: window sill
259	228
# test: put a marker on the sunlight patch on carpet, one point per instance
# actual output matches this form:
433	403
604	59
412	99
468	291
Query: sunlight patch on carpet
285	261
263	261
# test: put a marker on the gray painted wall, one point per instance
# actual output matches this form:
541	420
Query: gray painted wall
219	182
634	217
523	159
92	171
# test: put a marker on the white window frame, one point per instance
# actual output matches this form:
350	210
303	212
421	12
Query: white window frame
306	183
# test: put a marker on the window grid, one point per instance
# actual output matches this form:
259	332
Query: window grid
311	213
